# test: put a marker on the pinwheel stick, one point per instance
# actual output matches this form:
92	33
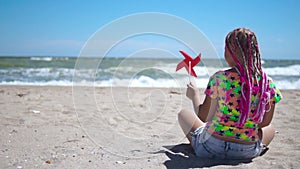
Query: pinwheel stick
190	70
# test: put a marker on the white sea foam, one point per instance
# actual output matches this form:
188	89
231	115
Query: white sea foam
41	58
293	70
48	83
140	82
285	84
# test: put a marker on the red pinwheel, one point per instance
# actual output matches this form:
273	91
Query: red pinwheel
189	63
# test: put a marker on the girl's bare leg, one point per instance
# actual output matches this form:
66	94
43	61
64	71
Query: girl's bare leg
189	122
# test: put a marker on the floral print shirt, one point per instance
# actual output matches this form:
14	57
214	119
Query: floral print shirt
225	86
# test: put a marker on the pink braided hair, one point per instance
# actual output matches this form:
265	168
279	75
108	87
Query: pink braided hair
247	51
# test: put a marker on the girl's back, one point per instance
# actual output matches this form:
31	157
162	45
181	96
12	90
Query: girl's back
225	86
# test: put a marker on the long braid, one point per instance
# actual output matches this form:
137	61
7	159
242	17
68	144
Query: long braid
257	61
247	83
258	58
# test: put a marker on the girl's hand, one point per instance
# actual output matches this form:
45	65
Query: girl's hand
192	92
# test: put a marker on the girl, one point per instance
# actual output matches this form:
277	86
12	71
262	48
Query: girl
234	120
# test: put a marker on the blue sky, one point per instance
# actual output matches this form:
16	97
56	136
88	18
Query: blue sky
61	28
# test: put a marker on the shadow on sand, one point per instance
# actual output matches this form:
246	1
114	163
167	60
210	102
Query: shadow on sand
182	156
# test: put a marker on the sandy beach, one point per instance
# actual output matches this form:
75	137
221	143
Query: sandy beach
86	127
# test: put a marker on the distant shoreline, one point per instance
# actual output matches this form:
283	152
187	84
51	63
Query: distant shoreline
122	57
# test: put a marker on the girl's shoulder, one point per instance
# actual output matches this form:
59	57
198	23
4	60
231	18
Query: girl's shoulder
276	95
270	79
225	73
271	82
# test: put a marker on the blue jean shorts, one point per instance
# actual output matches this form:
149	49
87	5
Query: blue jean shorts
207	146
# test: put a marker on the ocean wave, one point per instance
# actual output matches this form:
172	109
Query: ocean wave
35	73
293	70
164	71
48	59
286	84
39	83
142	81
160	75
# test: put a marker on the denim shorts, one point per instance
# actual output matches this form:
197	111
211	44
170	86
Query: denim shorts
207	146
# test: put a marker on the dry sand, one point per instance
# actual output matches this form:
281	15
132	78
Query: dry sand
86	127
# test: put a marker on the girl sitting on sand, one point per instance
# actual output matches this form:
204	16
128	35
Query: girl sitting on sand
234	120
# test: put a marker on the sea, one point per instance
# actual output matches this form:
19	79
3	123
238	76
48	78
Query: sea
128	72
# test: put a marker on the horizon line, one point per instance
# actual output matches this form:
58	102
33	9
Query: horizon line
72	56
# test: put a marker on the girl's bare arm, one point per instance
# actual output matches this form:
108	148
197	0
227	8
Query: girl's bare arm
267	118
207	109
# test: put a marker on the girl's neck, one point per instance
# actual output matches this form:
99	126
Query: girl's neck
232	69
